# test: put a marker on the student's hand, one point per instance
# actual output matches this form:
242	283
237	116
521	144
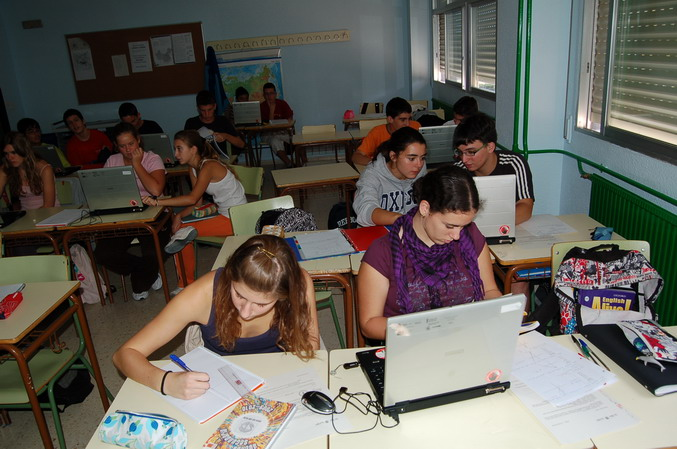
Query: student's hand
219	137
186	385
176	223
150	201
137	156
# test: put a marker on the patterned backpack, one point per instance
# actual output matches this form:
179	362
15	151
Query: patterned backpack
291	220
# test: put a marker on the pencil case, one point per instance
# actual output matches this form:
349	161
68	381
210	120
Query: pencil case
142	431
203	211
9	304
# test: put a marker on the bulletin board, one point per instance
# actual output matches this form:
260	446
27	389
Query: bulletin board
134	63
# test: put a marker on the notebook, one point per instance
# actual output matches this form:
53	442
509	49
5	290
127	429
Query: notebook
111	190
496	217
161	145
48	154
439	145
63	218
7	218
247	113
445	355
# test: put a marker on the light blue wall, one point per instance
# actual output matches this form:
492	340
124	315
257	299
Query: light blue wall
320	81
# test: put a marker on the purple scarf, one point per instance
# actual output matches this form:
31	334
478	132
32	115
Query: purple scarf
431	264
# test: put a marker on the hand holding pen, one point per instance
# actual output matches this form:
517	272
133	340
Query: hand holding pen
188	384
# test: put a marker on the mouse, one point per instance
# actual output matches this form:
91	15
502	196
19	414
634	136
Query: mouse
318	402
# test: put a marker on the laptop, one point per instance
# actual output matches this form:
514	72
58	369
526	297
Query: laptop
438	141
111	190
496	217
7	218
445	355
247	113
49	154
161	145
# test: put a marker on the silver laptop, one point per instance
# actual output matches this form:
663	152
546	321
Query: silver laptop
161	145
446	355
247	113
496	217
111	190
439	145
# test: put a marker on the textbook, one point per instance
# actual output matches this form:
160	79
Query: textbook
254	423
220	395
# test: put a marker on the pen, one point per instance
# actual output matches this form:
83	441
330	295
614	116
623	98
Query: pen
586	351
580	348
587	348
180	362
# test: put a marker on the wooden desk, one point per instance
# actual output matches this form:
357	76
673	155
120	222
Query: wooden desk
23	231
351	122
150	221
252	138
302	178
136	397
40	299
314	139
499	420
533	252
332	269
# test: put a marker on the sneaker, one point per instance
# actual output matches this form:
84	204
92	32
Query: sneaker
176	291
140	296
157	285
180	239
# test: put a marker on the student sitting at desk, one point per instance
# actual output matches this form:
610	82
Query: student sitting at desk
262	301
30	179
272	108
31	129
433	257
398	115
384	190
462	109
220	127
129	114
88	147
149	171
207	174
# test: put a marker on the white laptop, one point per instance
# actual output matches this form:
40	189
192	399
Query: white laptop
496	217
111	190
445	355
247	113
161	145
438	140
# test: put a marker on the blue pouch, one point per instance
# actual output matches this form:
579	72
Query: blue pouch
143	431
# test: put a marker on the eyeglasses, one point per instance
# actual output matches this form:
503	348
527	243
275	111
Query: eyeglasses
468	153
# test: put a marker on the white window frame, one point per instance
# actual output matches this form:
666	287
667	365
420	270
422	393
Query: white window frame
470	71
597	112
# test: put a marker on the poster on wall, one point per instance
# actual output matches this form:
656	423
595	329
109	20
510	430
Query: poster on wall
251	70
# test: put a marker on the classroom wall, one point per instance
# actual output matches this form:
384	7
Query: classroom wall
320	81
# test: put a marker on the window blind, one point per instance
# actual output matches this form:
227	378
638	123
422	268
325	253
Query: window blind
483	42
454	46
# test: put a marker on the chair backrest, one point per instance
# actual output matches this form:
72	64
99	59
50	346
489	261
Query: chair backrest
42	268
317	129
251	179
245	216
423	103
439	112
369	124
371	108
559	250
64	191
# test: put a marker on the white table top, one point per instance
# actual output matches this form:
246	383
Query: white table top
337	136
40	298
330	173
338	264
136	397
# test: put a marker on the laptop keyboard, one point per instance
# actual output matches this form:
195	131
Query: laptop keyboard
374	368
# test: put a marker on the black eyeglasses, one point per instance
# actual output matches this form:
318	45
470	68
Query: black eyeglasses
468	153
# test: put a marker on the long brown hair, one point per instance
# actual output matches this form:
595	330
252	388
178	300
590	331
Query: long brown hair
204	149
23	148
266	264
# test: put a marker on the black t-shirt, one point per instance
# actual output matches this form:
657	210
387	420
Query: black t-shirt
221	124
150	127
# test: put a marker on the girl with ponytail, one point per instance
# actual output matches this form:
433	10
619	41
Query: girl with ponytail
433	257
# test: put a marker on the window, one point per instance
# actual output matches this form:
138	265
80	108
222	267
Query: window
627	84
465	55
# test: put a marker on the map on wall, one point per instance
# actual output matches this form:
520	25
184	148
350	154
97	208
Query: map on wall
251	74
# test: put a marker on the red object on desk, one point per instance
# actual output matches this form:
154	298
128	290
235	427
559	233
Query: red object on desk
361	238
9	304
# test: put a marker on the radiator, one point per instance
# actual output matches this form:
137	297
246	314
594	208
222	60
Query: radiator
636	218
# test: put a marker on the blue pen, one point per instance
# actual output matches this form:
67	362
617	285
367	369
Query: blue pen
179	362
592	355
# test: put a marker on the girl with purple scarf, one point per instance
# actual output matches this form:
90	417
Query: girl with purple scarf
433	257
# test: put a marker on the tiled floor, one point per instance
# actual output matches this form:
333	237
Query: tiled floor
115	323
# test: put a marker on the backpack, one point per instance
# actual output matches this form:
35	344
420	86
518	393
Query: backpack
72	388
337	216
291	220
605	285
82	266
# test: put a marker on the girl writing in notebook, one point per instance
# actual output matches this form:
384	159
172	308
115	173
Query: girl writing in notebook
433	257
384	190
261	301
149	171
30	179
207	174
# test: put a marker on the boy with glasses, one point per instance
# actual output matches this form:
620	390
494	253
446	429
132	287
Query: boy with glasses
475	149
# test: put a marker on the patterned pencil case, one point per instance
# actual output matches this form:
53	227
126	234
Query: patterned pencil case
205	210
143	431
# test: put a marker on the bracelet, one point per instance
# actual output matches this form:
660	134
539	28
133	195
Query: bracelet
162	385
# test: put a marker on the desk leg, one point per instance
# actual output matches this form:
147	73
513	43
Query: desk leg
348	302
361	343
